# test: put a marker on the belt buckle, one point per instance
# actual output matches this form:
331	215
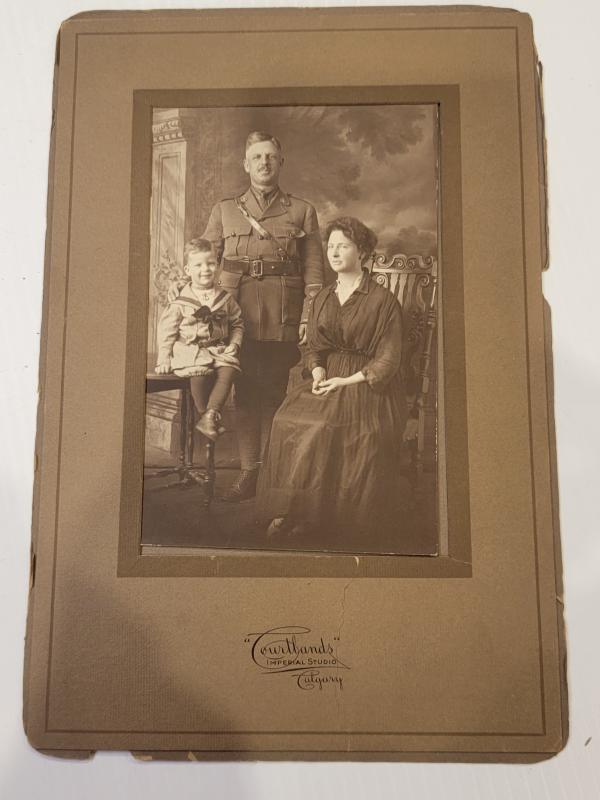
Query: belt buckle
256	268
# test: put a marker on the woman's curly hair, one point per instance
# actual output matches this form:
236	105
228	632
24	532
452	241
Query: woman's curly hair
364	238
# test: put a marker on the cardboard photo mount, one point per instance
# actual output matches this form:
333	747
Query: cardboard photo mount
253	655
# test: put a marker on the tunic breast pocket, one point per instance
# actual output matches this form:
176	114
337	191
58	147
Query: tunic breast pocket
236	240
230	281
292	299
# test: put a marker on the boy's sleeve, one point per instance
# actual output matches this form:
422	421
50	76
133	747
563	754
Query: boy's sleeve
167	332
236	323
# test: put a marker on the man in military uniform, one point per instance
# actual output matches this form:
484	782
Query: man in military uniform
272	263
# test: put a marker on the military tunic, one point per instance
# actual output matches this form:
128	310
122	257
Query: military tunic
273	306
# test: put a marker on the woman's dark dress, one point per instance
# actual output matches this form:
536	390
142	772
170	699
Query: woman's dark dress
333	460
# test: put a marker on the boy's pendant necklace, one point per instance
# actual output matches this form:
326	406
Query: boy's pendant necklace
205	296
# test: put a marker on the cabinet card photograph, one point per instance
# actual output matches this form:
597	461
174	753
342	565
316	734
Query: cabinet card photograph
291	388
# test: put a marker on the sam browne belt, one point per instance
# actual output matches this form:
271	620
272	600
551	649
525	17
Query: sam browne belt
261	267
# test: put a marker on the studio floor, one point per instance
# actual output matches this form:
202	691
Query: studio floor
175	517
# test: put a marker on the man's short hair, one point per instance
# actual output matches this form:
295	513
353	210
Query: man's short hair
196	245
261	136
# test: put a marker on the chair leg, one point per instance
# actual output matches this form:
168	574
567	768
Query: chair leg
420	449
191	419
413	474
186	457
183	434
209	475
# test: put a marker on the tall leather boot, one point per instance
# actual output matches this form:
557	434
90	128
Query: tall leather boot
243	488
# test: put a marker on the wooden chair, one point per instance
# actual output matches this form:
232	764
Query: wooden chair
413	281
189	473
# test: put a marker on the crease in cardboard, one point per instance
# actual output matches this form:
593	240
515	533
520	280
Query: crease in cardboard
558	566
39	433
338	699
343	606
542	162
32	563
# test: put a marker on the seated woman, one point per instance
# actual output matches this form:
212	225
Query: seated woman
334	452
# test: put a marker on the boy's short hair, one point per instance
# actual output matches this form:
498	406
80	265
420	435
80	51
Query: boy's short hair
196	245
261	136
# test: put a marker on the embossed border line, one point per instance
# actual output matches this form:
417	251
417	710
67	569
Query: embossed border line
64	335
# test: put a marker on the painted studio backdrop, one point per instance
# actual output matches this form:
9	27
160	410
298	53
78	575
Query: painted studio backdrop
376	163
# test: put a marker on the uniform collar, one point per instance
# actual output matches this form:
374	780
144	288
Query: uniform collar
264	199
277	203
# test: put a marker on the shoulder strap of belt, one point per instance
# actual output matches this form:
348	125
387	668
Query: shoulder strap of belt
262	231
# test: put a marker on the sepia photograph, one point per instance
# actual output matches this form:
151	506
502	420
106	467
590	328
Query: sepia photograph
292	372
292	475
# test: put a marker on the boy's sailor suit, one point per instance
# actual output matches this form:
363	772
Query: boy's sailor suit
194	336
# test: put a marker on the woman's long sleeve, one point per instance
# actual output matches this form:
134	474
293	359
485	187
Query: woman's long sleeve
385	363
316	355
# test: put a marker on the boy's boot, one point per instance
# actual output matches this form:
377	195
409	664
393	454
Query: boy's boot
209	425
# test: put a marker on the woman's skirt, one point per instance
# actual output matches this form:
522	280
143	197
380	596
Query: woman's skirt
333	461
